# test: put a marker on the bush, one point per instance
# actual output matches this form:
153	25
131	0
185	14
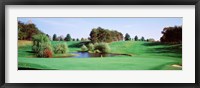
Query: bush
42	45
84	48
97	51
102	47
42	48
47	53
60	48
90	47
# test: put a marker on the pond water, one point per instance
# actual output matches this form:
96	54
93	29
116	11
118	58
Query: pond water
87	55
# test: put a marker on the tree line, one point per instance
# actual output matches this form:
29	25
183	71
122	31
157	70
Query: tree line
28	30
170	34
67	38
128	38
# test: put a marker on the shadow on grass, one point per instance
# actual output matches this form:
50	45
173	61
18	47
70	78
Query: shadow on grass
78	45
30	52
161	67
172	50
154	44
31	66
24	68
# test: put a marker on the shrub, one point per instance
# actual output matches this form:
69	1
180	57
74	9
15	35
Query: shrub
42	48
97	51
47	53
41	44
60	48
90	47
102	47
84	48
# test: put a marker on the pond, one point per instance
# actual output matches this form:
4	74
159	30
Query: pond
88	55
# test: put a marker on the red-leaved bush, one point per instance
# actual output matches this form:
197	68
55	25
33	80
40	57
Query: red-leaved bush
47	53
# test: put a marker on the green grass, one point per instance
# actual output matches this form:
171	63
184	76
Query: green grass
146	56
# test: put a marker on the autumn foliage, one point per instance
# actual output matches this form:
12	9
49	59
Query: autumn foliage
47	53
27	31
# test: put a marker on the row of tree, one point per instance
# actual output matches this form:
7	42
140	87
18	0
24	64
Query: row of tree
105	35
62	38
128	38
172	34
67	38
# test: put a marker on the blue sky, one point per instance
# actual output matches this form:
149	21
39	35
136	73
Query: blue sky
81	27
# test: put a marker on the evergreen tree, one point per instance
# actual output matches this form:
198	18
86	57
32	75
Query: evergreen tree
77	39
54	37
68	37
136	38
142	38
127	37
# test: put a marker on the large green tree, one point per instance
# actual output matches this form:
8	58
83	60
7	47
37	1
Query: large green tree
105	35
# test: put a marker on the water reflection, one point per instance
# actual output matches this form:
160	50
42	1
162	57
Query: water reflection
87	55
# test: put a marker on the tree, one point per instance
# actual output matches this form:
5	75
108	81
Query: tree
93	35
54	37
150	40
27	31
82	39
68	37
142	38
84	48
42	46
77	39
60	38
102	47
172	34
90	47
73	39
60	48
104	35
48	36
136	38
127	37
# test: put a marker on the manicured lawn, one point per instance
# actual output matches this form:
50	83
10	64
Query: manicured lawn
145	56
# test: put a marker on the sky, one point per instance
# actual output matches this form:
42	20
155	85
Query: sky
81	27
